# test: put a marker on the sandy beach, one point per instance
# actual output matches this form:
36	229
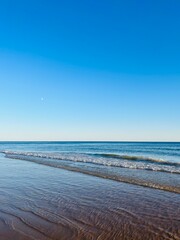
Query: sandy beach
41	202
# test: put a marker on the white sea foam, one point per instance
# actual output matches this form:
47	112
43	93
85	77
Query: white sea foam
108	160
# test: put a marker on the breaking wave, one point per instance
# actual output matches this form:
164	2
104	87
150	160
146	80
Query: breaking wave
138	159
105	159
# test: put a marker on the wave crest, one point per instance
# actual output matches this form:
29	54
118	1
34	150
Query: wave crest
138	158
105	159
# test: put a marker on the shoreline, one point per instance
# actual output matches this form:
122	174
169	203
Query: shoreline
151	179
38	202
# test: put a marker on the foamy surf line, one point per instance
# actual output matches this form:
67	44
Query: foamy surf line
138	159
108	160
98	170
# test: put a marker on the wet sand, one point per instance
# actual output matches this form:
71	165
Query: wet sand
41	202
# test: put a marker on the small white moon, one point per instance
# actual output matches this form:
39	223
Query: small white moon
42	99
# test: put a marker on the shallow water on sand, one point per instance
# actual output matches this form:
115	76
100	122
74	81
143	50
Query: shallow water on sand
40	202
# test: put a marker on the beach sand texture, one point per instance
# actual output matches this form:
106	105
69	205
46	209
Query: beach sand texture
41	202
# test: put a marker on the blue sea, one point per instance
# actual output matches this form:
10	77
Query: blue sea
149	164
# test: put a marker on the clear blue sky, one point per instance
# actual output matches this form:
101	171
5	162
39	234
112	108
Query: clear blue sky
90	70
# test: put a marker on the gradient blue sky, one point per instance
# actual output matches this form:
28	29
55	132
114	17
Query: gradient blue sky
90	70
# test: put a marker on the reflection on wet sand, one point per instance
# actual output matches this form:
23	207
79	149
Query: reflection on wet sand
40	202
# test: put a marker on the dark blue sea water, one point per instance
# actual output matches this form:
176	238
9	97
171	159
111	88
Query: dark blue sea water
150	164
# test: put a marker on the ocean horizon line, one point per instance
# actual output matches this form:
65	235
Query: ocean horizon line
85	141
